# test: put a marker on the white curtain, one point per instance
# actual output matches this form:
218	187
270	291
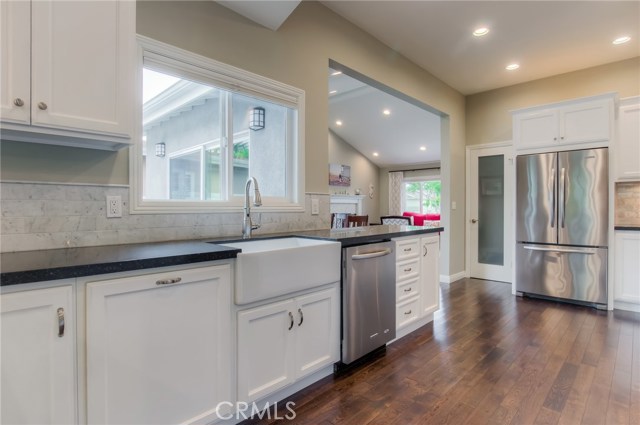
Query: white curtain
395	192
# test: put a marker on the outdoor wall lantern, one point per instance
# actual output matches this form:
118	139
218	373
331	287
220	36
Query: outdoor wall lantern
160	149
256	119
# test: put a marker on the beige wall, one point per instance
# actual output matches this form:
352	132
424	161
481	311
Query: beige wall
488	117
363	173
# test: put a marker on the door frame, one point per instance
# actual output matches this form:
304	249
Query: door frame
509	191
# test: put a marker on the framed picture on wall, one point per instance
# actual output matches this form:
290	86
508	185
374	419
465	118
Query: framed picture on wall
339	175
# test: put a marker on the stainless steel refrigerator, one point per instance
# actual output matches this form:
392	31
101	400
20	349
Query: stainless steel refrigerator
562	213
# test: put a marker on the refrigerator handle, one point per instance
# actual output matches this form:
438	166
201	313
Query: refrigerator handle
553	199
562	199
585	251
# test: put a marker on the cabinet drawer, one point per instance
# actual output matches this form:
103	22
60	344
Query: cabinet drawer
407	269
407	249
407	290
407	312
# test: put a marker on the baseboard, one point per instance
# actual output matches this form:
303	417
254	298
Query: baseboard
623	305
452	278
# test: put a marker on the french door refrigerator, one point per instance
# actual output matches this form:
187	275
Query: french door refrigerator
562	212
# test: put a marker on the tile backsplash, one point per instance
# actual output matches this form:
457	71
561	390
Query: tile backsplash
49	216
627	204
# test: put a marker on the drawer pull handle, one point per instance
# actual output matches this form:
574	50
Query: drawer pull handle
60	322
168	281
407	250
407	312
408	290
301	317
407	270
290	320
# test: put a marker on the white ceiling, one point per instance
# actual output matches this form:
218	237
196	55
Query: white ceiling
396	137
545	37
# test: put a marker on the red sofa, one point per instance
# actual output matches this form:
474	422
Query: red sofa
419	219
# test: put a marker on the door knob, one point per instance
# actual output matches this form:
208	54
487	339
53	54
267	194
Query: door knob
474	220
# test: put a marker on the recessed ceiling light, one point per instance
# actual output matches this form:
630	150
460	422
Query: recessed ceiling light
375	154
386	112
333	92
423	148
479	32
621	40
333	74
338	123
512	67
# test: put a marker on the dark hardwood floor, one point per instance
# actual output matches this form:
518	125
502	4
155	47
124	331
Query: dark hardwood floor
491	358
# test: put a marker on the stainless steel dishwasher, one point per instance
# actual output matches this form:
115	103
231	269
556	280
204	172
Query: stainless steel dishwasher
368	298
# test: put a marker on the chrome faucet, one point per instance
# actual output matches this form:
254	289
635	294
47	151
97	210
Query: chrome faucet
247	225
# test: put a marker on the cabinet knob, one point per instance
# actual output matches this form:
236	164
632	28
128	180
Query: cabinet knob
555	138
42	106
474	220
18	102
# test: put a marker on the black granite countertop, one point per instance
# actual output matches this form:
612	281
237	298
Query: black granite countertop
45	265
632	228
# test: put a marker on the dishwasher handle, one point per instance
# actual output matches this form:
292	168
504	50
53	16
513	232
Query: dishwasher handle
374	254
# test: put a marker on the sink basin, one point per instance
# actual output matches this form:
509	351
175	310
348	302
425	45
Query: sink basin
268	268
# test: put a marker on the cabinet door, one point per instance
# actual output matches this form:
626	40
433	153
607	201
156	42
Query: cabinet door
83	65
15	47
265	349
159	352
317	338
430	274
627	267
628	149
586	122
38	363
535	129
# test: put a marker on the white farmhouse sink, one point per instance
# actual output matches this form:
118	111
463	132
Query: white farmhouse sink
268	268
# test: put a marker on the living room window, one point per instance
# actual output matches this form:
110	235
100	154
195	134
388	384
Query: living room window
206	127
422	196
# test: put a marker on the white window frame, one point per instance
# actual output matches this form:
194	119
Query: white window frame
418	179
200	68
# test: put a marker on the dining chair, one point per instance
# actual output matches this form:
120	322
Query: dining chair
357	220
339	220
395	219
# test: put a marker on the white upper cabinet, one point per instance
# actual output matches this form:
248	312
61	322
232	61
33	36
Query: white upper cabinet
68	72
576	122
628	142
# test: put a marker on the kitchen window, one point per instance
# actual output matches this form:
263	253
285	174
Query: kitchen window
206	128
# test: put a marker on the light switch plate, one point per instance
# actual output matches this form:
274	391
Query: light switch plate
315	206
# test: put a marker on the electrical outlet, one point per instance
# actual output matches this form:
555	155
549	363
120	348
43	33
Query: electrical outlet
114	206
315	206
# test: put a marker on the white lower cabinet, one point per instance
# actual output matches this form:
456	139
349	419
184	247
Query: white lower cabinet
159	347
284	341
430	273
38	357
417	281
626	291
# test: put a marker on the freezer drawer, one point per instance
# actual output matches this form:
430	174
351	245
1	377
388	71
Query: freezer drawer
572	273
